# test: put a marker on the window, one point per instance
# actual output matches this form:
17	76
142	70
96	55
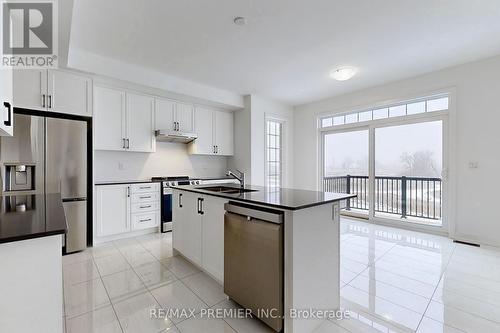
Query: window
274	144
422	105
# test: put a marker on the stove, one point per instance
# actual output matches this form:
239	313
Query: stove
167	182
166	197
166	194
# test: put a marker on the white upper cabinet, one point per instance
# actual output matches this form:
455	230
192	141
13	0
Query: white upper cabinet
69	93
174	116
53	90
6	105
140	123
215	132
109	119
123	121
184	116
223	123
30	89
164	114
204	144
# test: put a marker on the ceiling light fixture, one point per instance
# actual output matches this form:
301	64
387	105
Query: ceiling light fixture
239	20
343	73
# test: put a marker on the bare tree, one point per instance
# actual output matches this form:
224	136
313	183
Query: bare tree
419	164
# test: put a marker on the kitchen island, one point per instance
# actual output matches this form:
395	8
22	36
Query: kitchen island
310	234
31	229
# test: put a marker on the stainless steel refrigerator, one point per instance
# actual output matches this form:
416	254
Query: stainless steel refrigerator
49	155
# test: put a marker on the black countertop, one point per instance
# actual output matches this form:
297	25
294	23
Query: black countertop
31	216
121	182
284	198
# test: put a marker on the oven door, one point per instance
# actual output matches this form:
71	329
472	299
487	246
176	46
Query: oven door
166	210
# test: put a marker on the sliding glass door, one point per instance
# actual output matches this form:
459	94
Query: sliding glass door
346	164
395	168
408	169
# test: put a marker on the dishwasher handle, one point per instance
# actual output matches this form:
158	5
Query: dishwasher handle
252	212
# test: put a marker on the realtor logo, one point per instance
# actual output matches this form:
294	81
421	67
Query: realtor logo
29	36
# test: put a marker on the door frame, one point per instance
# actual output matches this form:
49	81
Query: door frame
448	157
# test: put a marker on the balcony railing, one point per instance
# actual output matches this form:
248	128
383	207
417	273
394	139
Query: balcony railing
404	196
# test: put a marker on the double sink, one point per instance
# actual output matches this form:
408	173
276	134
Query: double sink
226	189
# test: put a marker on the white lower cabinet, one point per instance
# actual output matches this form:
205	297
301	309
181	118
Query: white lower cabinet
198	230
113	209
125	208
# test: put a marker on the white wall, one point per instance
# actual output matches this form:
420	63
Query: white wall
170	159
242	158
477	87
262	108
249	134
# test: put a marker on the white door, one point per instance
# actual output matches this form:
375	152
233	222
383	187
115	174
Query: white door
164	114
203	120
223	127
184	117
69	93
113	209
191	227
213	236
30	89
6	105
109	119
140	124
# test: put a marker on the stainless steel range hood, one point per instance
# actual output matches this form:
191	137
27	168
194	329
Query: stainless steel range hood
175	136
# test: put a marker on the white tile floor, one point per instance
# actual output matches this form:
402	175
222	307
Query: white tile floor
392	281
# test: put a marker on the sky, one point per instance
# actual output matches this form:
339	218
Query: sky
347	152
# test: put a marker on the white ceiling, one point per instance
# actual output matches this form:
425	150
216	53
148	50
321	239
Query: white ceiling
288	46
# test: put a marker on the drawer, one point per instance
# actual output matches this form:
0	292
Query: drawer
146	197
144	188
145	220
145	207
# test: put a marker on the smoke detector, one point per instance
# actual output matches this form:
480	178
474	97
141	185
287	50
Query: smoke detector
239	20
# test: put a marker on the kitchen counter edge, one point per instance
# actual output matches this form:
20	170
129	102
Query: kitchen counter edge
196	189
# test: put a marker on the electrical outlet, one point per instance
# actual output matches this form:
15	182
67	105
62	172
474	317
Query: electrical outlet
473	165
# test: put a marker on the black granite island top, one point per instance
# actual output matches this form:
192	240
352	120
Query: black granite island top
31	216
284	198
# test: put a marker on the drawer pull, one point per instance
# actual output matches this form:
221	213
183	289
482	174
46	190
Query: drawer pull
144	187
147	206
145	197
144	220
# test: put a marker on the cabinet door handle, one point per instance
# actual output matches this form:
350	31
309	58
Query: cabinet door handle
128	143
8	122
201	206
128	191
50	101
43	100
147	206
180	200
123	143
144	187
217	149
147	197
144	220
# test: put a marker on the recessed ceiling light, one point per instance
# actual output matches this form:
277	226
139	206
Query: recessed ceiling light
343	73
239	20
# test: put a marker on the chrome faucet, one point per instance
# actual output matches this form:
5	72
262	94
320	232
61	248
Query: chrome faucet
240	177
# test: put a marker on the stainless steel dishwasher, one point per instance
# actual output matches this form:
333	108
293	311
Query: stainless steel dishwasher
253	260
